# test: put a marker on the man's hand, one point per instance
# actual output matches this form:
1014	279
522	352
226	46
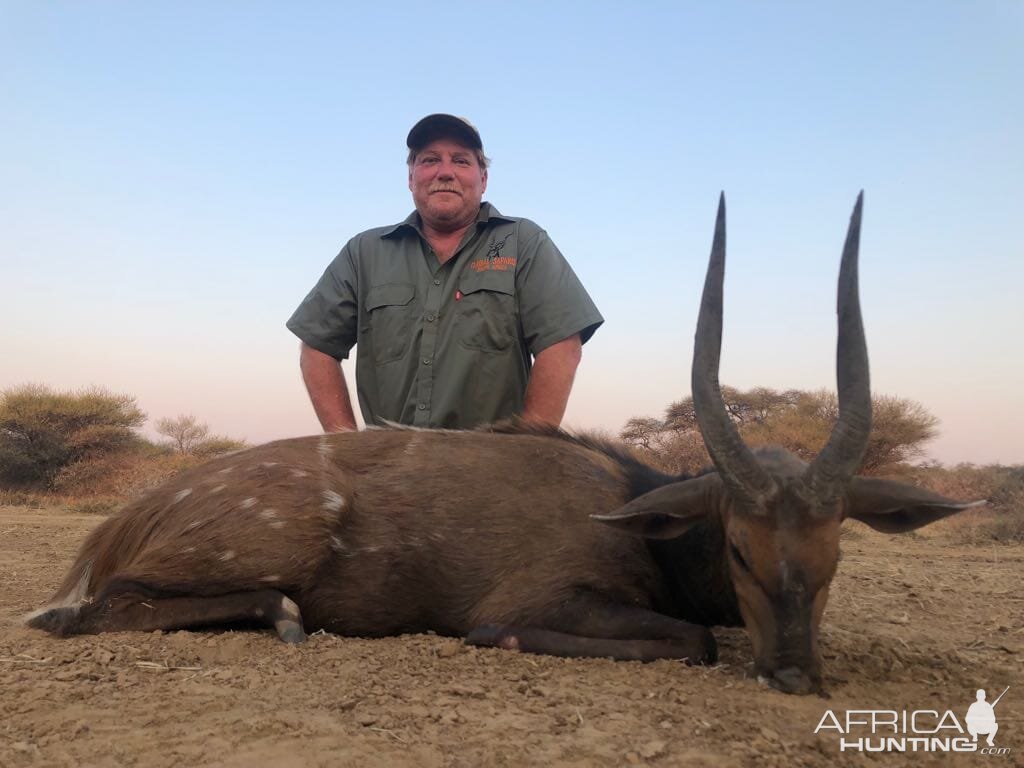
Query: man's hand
325	383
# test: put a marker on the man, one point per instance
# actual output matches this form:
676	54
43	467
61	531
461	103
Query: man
459	315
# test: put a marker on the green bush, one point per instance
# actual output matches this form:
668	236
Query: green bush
44	432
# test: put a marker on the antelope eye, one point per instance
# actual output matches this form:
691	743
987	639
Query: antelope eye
738	557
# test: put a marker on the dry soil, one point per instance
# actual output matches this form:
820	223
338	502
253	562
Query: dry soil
915	622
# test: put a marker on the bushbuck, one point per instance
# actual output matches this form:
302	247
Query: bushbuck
512	536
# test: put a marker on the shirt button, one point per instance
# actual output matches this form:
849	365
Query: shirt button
426	361
430	318
422	406
437	282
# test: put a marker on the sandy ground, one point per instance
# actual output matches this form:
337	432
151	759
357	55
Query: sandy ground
914	622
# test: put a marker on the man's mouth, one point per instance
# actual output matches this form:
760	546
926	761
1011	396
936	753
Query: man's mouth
449	191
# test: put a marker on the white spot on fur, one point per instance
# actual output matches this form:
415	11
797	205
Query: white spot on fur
189	550
218	489
247	503
227	555
299	473
324	448
225	470
193	525
333	501
290	607
181	495
269	464
270	578
271	516
337	544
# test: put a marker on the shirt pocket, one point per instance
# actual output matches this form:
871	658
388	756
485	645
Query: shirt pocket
390	314
486	319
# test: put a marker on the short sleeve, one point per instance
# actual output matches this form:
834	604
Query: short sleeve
553	304
328	318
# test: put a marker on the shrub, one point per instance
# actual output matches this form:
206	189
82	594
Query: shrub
18	498
218	446
1001	520
797	420
101	506
44	432
191	437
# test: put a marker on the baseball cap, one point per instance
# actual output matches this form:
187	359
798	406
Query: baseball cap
443	126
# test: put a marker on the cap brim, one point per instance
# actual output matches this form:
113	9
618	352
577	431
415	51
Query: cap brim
442	126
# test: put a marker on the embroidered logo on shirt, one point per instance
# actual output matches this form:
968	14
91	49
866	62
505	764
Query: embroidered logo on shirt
494	249
496	264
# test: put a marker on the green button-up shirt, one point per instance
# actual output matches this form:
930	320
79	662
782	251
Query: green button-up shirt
445	345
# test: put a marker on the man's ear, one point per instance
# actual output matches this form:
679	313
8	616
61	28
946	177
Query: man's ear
669	511
483	179
892	507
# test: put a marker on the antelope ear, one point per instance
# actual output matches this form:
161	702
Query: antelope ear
892	507
669	511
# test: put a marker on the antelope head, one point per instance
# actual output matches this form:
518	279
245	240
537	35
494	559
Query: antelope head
781	516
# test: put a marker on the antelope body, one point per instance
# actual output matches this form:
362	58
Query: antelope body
511	536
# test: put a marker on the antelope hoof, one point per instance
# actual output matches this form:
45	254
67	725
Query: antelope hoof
793	680
290	632
709	649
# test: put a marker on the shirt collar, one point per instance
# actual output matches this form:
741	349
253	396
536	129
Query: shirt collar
487	213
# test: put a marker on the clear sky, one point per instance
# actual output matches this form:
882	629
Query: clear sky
177	175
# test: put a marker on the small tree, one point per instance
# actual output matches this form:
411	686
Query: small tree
185	432
641	430
192	438
43	431
797	420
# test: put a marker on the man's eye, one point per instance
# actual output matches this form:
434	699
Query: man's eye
462	161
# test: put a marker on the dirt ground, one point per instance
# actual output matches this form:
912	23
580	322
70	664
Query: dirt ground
914	622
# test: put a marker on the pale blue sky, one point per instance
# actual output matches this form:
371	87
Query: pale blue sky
176	176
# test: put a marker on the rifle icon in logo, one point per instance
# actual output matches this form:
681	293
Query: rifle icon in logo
981	717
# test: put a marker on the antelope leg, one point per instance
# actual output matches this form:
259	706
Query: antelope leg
129	611
592	626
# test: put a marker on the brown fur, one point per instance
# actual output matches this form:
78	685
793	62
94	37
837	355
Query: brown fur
439	530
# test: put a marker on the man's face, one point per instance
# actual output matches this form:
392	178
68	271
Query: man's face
447	184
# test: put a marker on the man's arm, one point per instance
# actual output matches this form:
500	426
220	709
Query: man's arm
325	383
547	392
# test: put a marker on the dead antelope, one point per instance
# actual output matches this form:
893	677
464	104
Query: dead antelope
511	537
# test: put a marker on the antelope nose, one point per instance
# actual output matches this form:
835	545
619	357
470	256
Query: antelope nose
792	680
